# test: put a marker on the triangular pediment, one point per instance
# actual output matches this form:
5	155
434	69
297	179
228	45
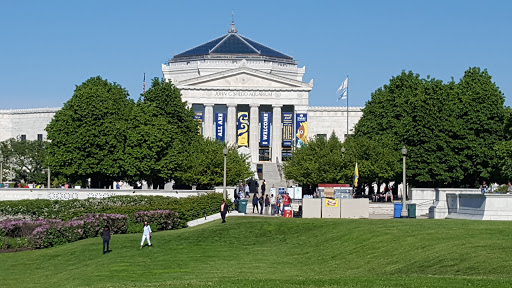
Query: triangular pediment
243	78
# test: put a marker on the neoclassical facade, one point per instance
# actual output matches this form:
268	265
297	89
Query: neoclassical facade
242	92
248	94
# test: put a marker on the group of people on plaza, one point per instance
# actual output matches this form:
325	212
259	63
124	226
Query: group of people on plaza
262	202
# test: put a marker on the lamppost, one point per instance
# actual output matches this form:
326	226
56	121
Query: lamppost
404	183
49	184
225	152
1	169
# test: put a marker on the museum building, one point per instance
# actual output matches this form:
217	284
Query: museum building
242	92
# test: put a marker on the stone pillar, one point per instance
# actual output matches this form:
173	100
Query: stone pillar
277	133
231	125
208	120
254	144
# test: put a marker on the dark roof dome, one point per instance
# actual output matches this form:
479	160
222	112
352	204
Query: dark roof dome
232	45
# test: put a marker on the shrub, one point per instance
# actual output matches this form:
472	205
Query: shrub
160	219
188	208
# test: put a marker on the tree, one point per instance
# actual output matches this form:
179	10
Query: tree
25	158
320	161
161	131
88	135
205	165
450	130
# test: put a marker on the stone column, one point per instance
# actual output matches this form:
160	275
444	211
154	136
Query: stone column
254	144
231	125
277	133
208	120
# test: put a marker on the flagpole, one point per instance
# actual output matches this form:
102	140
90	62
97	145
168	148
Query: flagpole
347	109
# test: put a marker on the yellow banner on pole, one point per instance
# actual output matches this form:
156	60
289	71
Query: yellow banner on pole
243	129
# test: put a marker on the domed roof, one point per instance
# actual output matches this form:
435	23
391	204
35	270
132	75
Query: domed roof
231	44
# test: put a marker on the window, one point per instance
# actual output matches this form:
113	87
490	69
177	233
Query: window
264	155
23	137
323	136
286	154
39	137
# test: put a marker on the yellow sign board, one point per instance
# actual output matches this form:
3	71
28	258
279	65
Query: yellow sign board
331	203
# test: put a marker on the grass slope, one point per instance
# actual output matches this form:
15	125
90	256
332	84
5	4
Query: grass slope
278	252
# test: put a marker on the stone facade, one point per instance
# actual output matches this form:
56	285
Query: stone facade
27	123
222	79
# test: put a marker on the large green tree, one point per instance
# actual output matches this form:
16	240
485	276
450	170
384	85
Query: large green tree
161	131
25	158
450	129
88	135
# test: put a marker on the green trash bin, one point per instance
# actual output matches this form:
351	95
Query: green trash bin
411	210
242	206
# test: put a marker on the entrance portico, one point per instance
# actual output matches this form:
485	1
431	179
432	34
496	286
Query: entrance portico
234	79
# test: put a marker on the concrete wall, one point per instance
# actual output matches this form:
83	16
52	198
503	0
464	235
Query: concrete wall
476	206
354	208
68	194
312	208
347	208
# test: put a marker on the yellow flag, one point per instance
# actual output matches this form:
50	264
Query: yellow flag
356	176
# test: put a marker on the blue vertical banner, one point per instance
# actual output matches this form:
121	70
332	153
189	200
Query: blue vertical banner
220	129
301	122
265	129
287	129
198	116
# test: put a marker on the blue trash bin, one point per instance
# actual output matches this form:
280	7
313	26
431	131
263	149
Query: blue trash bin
398	210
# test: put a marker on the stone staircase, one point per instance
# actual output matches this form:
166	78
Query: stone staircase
273	176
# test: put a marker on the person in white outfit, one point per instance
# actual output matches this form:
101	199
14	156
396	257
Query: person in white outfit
146	235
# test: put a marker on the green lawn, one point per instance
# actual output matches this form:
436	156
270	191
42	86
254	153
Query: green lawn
279	252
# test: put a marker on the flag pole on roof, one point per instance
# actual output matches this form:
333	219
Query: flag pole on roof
344	95
144	84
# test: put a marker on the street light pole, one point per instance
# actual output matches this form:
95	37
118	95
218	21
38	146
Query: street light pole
404	183
225	152
1	169
48	184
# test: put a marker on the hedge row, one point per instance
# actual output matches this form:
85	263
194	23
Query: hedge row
52	232
189	208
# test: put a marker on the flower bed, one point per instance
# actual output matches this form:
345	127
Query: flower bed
46	223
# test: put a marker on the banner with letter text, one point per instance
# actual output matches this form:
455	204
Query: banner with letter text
198	116
287	129
220	120
243	129
265	129
301	122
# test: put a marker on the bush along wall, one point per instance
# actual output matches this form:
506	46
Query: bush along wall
122	214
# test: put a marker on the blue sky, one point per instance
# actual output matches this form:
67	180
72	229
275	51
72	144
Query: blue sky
48	47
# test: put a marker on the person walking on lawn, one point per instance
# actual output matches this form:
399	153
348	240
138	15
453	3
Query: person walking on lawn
105	235
223	210
146	234
255	203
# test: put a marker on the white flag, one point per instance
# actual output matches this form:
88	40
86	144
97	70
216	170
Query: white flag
343	89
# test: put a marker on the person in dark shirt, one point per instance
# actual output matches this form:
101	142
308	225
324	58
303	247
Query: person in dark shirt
105	235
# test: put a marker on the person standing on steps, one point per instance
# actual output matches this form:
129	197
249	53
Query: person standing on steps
255	203
146	234
105	235
263	187
223	210
247	191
